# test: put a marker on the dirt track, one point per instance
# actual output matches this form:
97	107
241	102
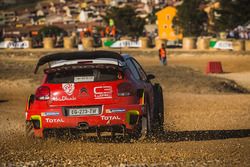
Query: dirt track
206	119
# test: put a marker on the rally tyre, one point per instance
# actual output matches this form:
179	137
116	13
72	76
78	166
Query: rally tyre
29	128
143	130
158	109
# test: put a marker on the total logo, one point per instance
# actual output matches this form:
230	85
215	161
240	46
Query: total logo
58	120
110	118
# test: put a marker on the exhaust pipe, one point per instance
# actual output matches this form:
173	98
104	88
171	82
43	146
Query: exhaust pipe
83	126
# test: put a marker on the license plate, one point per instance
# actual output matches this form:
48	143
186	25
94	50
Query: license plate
83	111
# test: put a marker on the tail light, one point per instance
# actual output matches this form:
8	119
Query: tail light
125	89
43	93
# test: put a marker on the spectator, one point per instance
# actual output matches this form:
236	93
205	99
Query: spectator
102	33
241	35
236	34
163	55
231	34
245	35
113	31
107	31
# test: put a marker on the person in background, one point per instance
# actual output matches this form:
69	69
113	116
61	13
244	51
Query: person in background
102	33
107	31
242	35
113	31
245	35
163	55
231	34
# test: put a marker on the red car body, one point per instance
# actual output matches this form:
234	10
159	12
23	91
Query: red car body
91	92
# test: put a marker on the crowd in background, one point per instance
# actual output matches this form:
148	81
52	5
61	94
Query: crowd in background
239	33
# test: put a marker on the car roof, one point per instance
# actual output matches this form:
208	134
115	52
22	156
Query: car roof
80	55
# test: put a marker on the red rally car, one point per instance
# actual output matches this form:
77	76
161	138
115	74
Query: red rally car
97	91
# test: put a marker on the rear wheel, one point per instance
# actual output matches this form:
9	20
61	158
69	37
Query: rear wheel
146	125
143	128
158	109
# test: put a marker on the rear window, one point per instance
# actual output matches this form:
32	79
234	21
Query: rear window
84	75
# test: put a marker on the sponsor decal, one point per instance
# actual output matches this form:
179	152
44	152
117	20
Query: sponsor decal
84	92
110	118
225	45
123	43
68	88
12	44
103	92
49	120
84	79
115	110
44	114
63	98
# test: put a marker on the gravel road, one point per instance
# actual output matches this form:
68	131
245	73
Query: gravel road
206	122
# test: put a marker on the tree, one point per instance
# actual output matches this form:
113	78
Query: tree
191	18
231	14
126	20
152	16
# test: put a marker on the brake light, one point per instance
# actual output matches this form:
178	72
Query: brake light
43	93
125	89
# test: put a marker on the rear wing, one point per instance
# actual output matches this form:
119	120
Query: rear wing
74	57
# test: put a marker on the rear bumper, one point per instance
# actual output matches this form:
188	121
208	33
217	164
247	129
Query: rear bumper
119	129
54	118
